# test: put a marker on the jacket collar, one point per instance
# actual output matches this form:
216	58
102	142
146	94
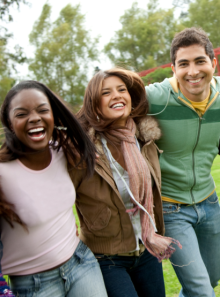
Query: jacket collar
147	131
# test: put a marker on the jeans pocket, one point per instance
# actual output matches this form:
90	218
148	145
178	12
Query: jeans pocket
170	208
212	199
84	254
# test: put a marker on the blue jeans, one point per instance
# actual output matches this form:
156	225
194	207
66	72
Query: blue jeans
80	276
132	276
197	228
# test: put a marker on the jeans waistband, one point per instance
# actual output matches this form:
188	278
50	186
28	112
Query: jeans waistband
52	274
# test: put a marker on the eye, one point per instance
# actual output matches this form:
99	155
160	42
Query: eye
123	90
20	115
105	93
44	110
201	62
183	65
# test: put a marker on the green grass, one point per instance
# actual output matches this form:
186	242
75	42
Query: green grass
172	284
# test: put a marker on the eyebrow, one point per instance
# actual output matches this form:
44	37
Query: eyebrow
25	109
117	87
197	58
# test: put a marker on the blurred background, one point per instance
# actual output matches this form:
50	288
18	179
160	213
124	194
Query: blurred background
63	43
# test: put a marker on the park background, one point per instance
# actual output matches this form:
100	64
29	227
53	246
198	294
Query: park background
63	43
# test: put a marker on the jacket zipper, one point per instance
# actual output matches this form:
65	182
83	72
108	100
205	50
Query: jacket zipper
197	140
193	160
193	157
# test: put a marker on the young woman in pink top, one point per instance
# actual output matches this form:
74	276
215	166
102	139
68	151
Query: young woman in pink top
45	258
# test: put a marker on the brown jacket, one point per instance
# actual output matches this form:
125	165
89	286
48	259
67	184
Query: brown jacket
105	226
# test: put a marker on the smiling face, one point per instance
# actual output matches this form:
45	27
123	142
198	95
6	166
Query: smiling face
31	119
115	100
194	71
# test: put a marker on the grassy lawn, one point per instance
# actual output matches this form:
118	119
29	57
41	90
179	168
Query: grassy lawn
171	282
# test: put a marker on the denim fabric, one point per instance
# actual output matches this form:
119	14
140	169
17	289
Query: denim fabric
197	228
79	277
132	276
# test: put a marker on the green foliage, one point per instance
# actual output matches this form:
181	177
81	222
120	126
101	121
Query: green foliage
5	6
63	52
205	14
6	80
157	76
144	40
9	58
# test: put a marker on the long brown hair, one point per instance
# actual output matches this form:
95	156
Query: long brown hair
91	106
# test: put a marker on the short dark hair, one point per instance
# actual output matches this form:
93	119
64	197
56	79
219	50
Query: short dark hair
74	141
188	37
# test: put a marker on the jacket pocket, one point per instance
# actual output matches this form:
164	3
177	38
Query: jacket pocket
102	223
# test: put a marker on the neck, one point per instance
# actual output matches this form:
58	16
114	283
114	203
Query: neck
38	160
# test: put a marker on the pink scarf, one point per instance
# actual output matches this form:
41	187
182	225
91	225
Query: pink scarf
141	188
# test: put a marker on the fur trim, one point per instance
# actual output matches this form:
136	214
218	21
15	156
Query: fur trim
148	129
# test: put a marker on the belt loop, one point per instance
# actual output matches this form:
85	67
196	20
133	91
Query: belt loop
37	283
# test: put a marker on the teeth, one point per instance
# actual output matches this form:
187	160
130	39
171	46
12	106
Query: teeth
195	81
118	105
38	137
36	130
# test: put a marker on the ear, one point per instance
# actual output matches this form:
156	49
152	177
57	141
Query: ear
214	63
173	69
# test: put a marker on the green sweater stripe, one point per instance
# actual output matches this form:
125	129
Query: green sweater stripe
189	144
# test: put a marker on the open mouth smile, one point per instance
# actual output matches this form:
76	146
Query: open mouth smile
117	105
195	81
37	134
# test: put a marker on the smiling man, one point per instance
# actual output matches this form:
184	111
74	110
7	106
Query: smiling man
187	107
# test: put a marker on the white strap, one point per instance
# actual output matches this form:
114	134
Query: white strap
128	189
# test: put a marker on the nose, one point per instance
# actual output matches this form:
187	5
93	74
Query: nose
193	70
34	117
116	94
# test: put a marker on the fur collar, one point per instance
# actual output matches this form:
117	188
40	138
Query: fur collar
147	131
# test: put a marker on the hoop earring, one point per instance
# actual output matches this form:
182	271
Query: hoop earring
98	119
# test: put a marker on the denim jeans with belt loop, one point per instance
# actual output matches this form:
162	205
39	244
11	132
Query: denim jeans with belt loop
197	227
78	277
132	276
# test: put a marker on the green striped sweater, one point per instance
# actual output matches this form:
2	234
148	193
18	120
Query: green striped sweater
189	142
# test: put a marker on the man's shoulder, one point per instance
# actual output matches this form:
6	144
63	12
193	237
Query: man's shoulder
216	82
160	91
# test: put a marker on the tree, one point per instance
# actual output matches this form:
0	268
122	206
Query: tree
5	7
145	37
9	58
205	14
157	76
63	51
